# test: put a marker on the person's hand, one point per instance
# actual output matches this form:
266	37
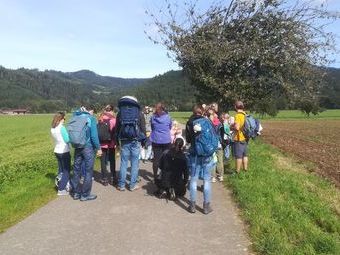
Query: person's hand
99	153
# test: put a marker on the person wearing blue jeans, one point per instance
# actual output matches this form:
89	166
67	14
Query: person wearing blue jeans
129	151
85	157
200	168
130	135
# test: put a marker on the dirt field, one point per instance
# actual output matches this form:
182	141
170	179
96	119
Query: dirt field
316	141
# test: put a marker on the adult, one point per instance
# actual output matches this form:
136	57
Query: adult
83	121
61	151
240	145
160	135
200	166
106	131
130	135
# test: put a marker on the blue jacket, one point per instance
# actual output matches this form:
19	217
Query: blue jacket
160	128
92	132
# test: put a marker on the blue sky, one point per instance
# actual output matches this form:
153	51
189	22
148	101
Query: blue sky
103	36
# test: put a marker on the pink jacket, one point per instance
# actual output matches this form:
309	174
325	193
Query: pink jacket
112	143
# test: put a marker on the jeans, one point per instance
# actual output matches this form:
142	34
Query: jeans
64	168
200	167
129	151
86	155
108	155
158	150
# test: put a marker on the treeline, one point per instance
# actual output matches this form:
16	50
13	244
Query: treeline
49	91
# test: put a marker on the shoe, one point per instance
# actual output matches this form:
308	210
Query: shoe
62	193
220	178
206	208
213	179
192	207
135	187
76	196
121	188
105	182
88	198
172	194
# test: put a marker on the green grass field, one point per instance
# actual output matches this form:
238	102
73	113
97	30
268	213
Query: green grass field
288	209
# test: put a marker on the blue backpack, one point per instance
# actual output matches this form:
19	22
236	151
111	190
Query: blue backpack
129	117
77	129
251	127
206	142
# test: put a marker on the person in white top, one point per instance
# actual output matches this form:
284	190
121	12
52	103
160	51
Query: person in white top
61	151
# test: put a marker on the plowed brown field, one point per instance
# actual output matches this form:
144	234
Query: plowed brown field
316	141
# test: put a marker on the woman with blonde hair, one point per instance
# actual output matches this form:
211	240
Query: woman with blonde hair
61	151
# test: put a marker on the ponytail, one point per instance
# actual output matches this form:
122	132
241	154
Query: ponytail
178	145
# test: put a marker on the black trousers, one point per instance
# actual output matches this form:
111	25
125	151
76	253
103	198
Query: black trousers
108	155
158	150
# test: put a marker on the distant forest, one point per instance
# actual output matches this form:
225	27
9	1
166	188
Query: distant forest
49	91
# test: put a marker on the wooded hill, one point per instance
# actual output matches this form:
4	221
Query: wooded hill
49	91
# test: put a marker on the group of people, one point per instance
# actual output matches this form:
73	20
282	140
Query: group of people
148	134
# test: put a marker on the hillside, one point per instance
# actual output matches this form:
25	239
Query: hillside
49	91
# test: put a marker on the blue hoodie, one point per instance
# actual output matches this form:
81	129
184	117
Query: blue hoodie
161	126
92	132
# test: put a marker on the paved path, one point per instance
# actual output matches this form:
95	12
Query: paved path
129	223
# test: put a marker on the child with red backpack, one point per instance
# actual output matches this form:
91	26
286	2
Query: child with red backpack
106	133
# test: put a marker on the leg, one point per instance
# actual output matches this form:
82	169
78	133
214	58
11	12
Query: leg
135	149
124	159
245	163
103	164
112	159
238	165
238	154
89	156
157	151
77	171
207	185
66	167
220	164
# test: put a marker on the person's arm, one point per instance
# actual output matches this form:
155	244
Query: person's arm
142	123
64	134
188	132
117	129
94	134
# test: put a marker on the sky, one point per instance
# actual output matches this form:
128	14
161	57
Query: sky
104	36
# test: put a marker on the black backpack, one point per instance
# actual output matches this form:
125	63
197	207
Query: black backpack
104	132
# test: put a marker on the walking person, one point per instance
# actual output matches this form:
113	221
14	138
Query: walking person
160	135
83	134
106	133
240	144
61	151
130	136
202	136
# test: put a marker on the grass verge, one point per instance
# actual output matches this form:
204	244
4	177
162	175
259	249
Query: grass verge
289	211
24	196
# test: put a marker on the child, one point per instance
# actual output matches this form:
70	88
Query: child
62	153
175	131
174	172
226	134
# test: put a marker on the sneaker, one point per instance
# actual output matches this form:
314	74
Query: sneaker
105	182
213	179
192	207
76	196
121	188
135	187
62	193
220	178
172	194
207	208
88	198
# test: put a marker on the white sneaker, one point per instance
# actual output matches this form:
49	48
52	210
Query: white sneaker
213	179
62	193
220	178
